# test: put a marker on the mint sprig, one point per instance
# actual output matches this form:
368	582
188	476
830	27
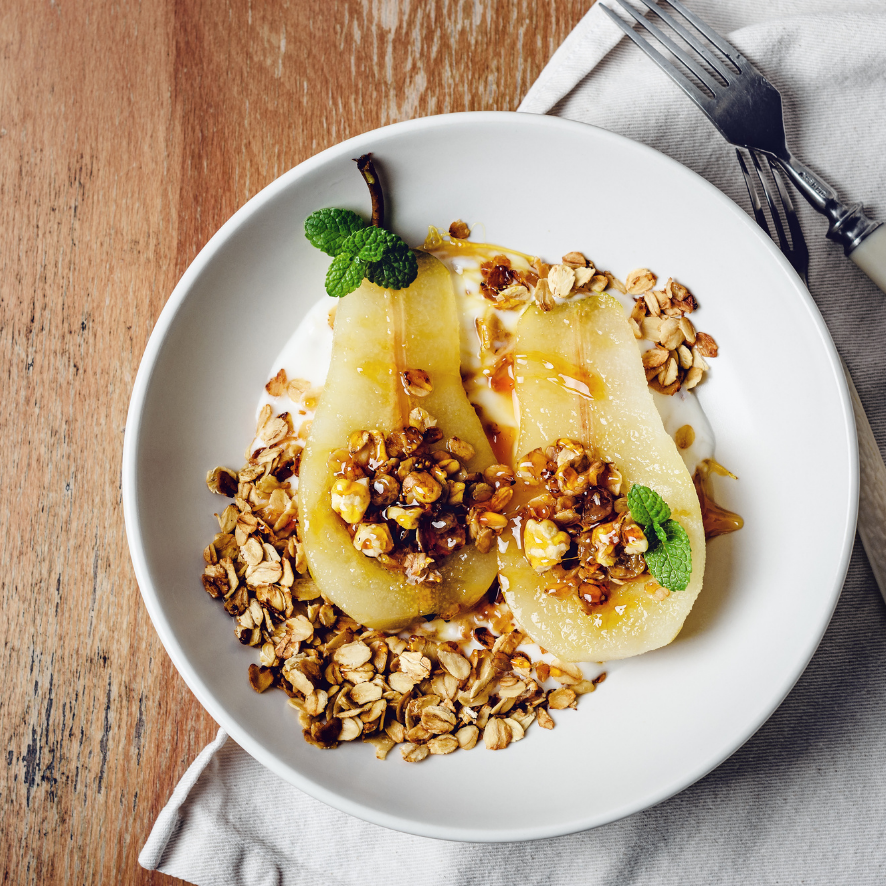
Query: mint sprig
361	250
669	556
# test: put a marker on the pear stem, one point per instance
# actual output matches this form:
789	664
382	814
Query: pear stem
370	176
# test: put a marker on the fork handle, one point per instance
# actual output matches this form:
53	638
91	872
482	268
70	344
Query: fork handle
870	256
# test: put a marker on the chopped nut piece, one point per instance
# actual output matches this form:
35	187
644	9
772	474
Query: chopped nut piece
420	487
373	539
420	419
416	382
459	230
350	498
544	543
260	678
460	449
561	279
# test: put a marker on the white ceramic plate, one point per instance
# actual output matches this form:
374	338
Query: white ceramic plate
776	398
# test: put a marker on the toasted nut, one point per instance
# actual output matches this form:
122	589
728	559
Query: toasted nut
260	678
373	539
544	544
492	520
639	281
706	345
684	437
633	538
350	498
460	449
420	487
459	230
584	276
408	518
420	419
416	382
561	279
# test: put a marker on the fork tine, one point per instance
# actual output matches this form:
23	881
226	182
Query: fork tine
756	205
680	79
692	40
799	248
712	85
776	219
723	45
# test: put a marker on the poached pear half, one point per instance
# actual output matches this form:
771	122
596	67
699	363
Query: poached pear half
578	375
378	335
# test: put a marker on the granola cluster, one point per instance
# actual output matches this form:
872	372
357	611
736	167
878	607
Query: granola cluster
348	681
578	529
429	697
409	505
660	316
256	561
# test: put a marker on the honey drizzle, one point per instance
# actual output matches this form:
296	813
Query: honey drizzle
716	519
586	417
396	312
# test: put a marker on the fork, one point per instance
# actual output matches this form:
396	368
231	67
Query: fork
746	110
872	482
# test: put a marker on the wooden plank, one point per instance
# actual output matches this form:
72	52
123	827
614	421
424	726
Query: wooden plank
129	132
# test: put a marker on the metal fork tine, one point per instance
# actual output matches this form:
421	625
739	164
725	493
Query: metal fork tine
714	87
723	45
692	40
798	241
776	219
680	79
754	197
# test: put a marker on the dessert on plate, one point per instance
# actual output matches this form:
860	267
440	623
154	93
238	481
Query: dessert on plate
479	495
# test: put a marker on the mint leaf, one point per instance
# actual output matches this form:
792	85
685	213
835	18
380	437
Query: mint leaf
344	275
371	244
328	229
670	561
396	269
647	506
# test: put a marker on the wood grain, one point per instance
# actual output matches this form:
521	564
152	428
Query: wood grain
129	132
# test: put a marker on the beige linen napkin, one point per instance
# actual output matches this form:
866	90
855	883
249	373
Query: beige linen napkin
805	800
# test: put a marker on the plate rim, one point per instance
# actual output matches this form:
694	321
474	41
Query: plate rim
162	624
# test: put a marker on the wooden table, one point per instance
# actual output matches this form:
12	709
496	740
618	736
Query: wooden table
129	132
